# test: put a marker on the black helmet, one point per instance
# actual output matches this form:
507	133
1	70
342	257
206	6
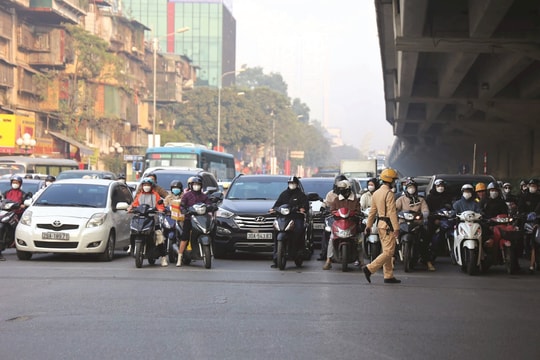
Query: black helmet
410	182
50	178
293	179
522	182
194	180
153	175
339	178
493	186
121	176
16	178
534	182
28	176
177	184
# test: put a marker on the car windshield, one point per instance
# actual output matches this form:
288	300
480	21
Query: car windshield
81	175
321	187
256	188
164	179
76	195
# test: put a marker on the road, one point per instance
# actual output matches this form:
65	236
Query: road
58	307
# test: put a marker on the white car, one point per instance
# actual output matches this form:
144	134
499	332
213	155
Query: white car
76	216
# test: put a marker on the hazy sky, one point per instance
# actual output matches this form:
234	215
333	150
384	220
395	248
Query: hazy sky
328	53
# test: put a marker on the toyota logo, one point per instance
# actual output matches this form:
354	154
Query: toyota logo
56	223
259	219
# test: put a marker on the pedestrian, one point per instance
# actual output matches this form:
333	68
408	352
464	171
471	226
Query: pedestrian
383	207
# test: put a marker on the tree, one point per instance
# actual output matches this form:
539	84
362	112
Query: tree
253	78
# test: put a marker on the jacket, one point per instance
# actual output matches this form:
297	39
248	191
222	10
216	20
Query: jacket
464	205
152	200
412	203
383	206
350	203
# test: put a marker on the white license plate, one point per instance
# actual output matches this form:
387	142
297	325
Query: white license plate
259	236
318	226
55	236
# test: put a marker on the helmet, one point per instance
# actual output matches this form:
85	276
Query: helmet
177	184
339	178
50	178
467	187
293	179
534	182
343	184
16	178
388	175
493	186
121	176
192	180
410	182
480	187
440	182
507	185
522	182
153	175
147	180
28	176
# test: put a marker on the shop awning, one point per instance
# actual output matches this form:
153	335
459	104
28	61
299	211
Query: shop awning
85	150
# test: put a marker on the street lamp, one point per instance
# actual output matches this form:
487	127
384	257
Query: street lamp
219	104
26	142
154	104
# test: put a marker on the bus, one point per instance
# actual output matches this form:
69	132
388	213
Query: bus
191	155
35	165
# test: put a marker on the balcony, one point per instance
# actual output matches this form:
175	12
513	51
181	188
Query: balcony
56	11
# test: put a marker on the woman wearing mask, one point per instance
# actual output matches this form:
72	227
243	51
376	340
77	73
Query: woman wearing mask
365	199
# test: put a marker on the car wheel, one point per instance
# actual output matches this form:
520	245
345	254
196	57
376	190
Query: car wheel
24	255
108	253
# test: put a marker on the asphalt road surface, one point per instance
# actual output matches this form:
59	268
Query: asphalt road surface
70	307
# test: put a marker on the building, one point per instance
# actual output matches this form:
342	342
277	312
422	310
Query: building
210	43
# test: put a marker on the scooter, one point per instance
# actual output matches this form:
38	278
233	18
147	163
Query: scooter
445	232
532	236
286	246
372	244
143	235
172	231
344	231
501	249
409	238
467	242
8	222
203	228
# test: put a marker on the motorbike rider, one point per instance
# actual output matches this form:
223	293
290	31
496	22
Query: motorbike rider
48	181
467	201
195	195
14	194
437	198
410	201
177	190
480	190
384	208
530	200
493	205
329	198
346	199
295	198
121	177
161	191
149	196
509	198
365	199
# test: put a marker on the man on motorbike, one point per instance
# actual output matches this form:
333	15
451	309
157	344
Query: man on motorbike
329	198
295	198
190	198
346	199
467	201
493	205
384	208
48	181
410	201
530	200
480	190
149	196
438	198
14	194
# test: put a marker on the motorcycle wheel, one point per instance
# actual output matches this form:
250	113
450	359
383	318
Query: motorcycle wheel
207	256
470	256
344	258
151	261
173	255
24	255
406	249
139	256
281	255
299	260
186	259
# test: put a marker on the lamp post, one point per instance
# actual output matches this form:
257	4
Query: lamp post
154	103
219	104
26	142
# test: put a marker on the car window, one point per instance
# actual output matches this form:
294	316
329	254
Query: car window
256	188
77	195
320	187
120	194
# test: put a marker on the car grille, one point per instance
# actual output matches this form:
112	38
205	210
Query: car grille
59	228
255	222
56	245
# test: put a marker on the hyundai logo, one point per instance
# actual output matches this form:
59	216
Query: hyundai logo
259	219
56	223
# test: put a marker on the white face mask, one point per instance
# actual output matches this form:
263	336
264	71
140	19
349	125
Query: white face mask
411	190
506	191
467	195
440	189
196	187
292	186
146	188
493	194
15	186
532	189
371	188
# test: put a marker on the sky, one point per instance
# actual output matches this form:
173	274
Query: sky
328	53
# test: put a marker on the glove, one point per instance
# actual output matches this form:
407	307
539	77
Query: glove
367	231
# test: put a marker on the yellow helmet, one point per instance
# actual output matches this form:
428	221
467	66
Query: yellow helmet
389	175
480	187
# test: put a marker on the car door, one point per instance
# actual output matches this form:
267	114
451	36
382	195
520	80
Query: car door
121	218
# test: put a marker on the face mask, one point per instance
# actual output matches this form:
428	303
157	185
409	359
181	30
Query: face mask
146	188
292	186
411	190
467	195
493	194
506	191
440	189
533	189
175	191
15	186
371	188
47	183
196	187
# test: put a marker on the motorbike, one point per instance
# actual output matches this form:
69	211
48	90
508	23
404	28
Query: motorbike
287	248
143	230
501	249
172	231
372	244
467	249
203	223
532	236
444	234
411	223
8	222
344	230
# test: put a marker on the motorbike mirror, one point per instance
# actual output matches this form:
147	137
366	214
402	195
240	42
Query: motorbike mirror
28	195
160	201
216	196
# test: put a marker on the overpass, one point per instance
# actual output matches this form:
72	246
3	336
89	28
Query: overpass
462	85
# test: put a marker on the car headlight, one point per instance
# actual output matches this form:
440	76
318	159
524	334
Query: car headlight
96	220
224	213
26	219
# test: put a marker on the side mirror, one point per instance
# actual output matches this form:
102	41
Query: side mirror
28	195
27	202
122	205
211	189
216	196
160	201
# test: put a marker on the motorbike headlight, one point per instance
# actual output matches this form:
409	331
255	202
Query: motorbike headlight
26	219
200	209
96	220
224	213
408	216
285	211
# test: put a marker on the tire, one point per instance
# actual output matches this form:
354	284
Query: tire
507	252
344	258
470	256
186	259
108	253
24	255
138	253
207	256
406	250
281	255
3	238
173	255
299	260
152	261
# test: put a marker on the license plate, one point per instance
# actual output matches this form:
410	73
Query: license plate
55	236
259	236
318	226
